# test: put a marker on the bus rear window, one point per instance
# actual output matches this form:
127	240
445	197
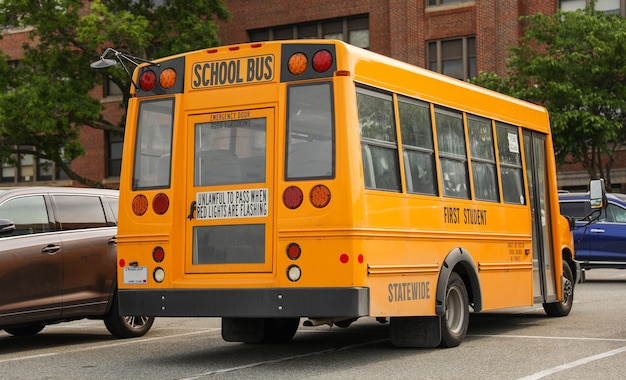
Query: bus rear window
153	146
310	131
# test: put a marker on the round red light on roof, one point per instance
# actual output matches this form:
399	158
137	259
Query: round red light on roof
160	203
140	205
167	79
297	63
322	60
292	197
147	80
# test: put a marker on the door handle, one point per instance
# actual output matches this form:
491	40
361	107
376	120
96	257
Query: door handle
51	249
597	230
192	208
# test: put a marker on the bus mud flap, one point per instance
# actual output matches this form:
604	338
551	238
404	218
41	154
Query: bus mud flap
246	330
415	331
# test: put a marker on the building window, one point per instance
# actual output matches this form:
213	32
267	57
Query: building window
432	3
455	57
111	88
28	169
353	30
115	142
606	6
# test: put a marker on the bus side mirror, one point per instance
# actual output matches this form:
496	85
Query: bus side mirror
6	226
597	193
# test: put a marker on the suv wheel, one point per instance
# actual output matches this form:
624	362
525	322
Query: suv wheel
25	330
126	326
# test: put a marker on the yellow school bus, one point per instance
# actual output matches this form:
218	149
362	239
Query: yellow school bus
312	181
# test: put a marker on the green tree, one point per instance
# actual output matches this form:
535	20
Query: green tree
573	63
45	99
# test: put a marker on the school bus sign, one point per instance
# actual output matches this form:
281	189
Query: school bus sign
231	72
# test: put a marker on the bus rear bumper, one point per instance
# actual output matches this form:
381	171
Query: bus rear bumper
287	302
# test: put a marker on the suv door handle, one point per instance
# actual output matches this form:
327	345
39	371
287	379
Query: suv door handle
51	249
597	230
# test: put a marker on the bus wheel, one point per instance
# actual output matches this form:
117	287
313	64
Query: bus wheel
280	330
455	320
561	309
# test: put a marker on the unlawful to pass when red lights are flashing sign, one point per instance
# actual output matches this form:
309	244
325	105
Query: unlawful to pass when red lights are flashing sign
229	204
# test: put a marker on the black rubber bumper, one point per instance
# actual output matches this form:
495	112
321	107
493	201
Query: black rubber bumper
298	302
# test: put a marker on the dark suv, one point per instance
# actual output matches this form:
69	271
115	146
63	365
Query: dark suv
58	260
600	243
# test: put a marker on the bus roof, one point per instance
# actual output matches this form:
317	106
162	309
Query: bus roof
376	70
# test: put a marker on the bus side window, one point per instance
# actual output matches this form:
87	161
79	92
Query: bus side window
510	164
417	146
452	153
378	139
368	168
483	161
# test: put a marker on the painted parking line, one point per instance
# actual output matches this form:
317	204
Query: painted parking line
116	344
575	363
566	366
280	360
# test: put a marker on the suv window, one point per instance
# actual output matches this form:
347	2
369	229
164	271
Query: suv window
577	210
114	203
615	214
28	213
79	211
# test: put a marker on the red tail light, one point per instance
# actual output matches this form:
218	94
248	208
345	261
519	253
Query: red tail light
158	254
292	197
160	204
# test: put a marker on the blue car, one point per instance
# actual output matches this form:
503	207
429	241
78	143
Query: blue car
600	243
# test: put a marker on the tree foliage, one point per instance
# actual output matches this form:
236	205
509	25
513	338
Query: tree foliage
45	100
573	63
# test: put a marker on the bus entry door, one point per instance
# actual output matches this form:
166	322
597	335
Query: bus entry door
544	278
229	192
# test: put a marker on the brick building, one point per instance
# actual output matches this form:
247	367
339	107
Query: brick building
456	37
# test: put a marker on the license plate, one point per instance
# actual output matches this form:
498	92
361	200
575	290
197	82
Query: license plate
135	275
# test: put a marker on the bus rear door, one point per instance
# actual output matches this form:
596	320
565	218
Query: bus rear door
229	192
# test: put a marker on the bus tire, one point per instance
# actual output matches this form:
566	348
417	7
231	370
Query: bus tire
561	309
280	330
455	319
126	326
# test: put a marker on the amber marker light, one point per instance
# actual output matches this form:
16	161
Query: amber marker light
140	205
147	81
167	79
297	63
320	196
